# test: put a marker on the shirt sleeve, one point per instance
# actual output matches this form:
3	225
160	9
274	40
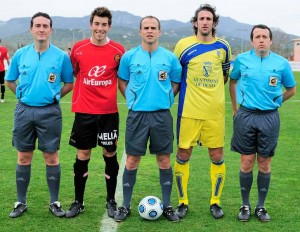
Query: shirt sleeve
288	79
67	70
13	70
176	71
235	73
124	69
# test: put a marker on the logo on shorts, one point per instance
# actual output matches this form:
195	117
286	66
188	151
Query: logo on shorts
108	139
162	76
273	81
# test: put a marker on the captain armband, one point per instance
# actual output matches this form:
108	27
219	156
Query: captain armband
226	67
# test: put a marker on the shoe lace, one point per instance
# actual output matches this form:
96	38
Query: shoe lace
57	206
17	204
245	208
169	211
261	211
122	210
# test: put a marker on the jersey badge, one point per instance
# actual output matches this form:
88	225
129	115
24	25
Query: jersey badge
273	81
52	77
117	58
207	70
162	76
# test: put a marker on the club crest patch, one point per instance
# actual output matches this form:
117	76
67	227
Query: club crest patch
162	76
273	81
52	77
207	70
117	58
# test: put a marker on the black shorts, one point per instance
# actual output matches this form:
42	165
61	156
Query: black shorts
157	125
90	128
255	132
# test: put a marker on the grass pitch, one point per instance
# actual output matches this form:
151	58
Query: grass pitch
282	201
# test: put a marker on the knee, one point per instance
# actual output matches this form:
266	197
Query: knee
264	167
51	159
163	161
216	154
23	160
247	165
184	154
84	154
132	162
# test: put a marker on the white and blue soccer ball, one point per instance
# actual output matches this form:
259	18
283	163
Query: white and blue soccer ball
150	208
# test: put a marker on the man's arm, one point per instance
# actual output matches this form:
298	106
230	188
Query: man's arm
122	86
288	93
67	87
232	90
12	85
225	79
175	87
226	68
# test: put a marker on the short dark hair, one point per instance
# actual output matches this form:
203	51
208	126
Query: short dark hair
205	7
150	17
40	14
101	12
261	26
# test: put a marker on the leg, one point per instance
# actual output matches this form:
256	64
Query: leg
182	173
2	83
53	180
263	183
80	168
52	174
217	174
23	172
263	179
111	175
2	92
246	179
129	179
166	181
81	173
166	178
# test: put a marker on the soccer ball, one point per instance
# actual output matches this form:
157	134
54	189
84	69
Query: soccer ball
150	208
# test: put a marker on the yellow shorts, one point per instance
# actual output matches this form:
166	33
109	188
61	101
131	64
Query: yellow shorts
210	133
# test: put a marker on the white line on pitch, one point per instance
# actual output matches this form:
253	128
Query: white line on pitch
108	224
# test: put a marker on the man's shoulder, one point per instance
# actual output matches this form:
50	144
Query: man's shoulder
25	50
118	45
188	39
3	49
133	50
81	43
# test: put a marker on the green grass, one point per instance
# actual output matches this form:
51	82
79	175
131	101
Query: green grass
282	201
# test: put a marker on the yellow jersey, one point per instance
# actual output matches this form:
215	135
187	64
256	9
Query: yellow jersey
204	65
